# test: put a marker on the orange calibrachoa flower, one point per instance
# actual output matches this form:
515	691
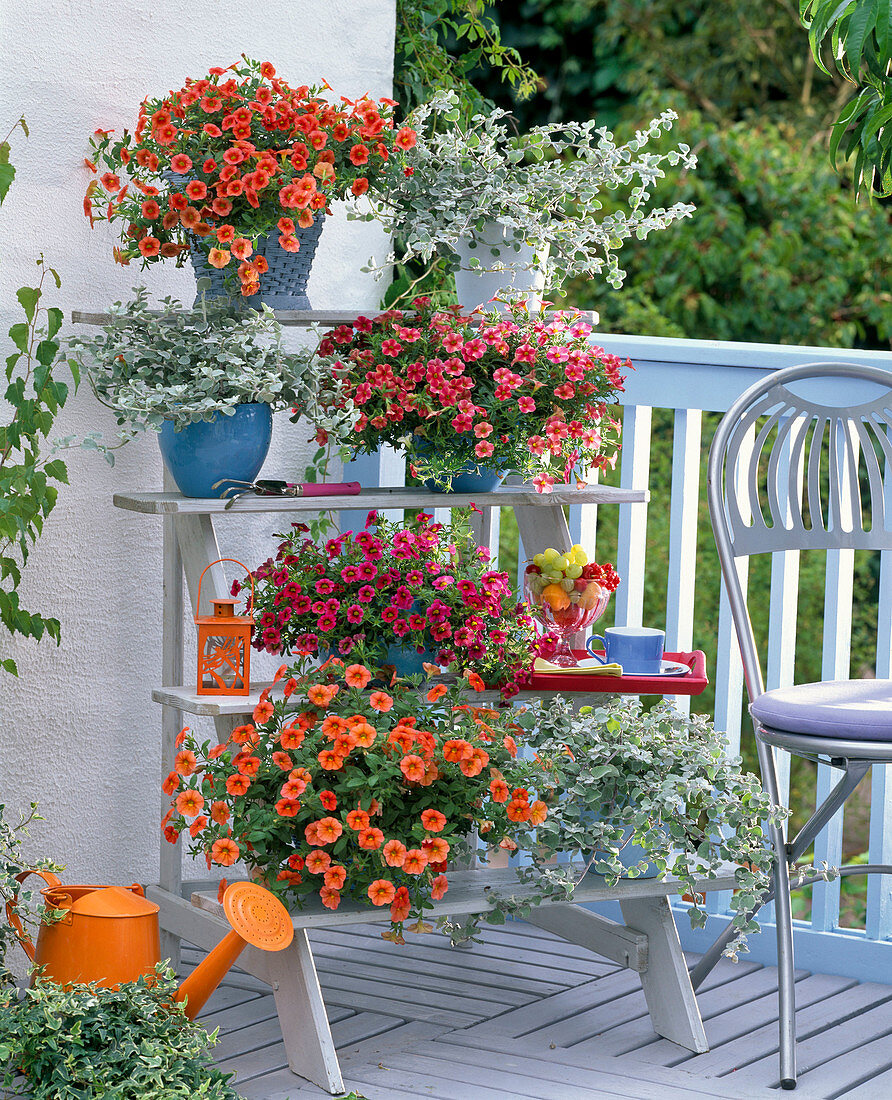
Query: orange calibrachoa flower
224	851
347	810
244	146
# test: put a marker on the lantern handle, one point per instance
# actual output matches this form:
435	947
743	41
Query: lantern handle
217	562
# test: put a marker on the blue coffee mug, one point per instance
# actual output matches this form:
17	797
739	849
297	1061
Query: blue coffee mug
639	649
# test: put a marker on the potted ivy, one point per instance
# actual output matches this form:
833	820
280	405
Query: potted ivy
490	201
207	381
635	792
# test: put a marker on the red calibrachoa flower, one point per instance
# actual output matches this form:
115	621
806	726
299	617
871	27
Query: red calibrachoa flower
414	584
527	395
378	828
246	149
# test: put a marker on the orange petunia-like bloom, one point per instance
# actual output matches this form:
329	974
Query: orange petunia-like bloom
335	876
330	760
381	892
225	851
357	676
457	750
328	829
433	820
219	812
288	807
370	839
358	819
538	812
218	257
381	701
413	768
264	709
320	695
150	246
474	680
475	765
294	788
394	853
402	738
415	861
171	783
439	887
238	784
291	737
242	248
365	735
331	898
196	190
436	692
518	810
247	764
189	803
241	734
333	724
498	788
401	906
283	760
436	849
317	863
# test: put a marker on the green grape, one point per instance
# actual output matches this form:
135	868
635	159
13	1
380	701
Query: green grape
549	555
554	577
573	571
560	563
539	560
579	555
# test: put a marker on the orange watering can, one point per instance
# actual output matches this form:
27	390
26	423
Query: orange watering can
109	935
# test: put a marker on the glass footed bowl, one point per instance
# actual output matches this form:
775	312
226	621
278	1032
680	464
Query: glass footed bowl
567	613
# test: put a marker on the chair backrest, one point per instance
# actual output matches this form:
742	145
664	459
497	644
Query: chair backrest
792	467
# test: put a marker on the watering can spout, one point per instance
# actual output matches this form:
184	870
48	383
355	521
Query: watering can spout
258	919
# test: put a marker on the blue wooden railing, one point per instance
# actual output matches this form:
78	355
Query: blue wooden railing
690	378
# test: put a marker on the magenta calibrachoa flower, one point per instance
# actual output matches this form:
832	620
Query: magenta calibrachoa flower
523	394
417	584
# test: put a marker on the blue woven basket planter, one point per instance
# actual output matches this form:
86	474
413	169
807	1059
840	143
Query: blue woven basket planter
284	286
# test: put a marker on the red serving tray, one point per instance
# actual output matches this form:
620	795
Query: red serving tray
692	683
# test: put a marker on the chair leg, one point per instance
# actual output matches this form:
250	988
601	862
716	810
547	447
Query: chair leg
783	911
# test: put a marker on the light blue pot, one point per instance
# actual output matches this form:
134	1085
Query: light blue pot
407	661
472	478
226	447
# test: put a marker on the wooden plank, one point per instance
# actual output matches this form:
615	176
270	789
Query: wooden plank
556	1079
414	966
729	1012
548	961
395	998
167	503
589	1021
826	1031
877	1087
620	1073
470	892
595	933
856	1067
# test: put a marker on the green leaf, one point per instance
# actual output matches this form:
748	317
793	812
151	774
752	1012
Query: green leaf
28	297
19	334
7	175
860	24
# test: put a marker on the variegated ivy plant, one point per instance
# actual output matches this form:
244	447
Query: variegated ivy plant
542	186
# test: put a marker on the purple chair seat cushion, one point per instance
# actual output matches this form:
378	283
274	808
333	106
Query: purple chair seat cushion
853	710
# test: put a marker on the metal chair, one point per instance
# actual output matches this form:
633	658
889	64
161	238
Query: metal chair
792	472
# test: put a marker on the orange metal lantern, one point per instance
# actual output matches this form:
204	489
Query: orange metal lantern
224	644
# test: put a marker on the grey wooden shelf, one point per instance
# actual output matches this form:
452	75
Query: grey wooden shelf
290	318
176	504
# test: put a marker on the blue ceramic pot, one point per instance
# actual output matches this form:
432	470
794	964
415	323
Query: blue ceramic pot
201	454
472	478
407	661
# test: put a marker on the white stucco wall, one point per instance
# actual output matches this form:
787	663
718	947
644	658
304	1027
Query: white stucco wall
80	733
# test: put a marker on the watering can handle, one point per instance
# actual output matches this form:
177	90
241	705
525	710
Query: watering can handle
12	913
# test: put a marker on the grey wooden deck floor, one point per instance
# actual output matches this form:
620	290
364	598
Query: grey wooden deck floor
524	1015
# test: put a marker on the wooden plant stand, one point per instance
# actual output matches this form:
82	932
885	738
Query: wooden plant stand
648	943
